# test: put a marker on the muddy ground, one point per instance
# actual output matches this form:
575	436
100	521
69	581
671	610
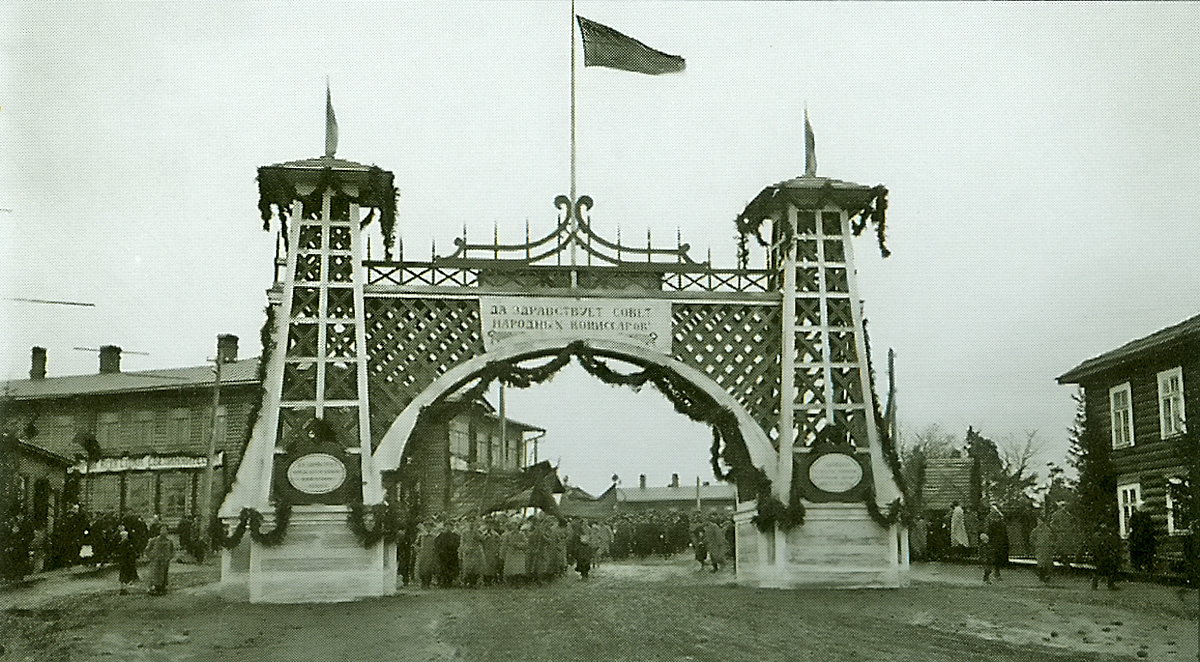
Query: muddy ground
660	610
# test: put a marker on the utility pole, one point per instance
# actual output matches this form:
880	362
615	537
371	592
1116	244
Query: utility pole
210	460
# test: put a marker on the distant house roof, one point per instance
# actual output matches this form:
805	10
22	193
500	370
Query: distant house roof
489	411
45	453
244	371
710	492
948	480
1134	350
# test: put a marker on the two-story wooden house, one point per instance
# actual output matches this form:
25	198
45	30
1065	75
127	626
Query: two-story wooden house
1139	401
147	431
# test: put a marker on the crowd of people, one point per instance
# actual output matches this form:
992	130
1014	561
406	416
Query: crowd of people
80	539
1055	538
516	550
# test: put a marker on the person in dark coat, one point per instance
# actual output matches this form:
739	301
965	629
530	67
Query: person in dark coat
699	551
445	547
994	541
1143	541
426	562
127	555
1106	555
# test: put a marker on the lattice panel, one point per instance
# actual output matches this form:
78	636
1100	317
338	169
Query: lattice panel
411	343
737	345
339	238
308	268
310	236
302	341
291	422
339	341
306	302
299	381
341	268
340	304
341	381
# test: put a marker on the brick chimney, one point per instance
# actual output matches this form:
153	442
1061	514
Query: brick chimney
37	363
642	481
227	348
110	359
674	480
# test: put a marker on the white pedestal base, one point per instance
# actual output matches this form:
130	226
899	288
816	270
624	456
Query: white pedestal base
320	560
838	546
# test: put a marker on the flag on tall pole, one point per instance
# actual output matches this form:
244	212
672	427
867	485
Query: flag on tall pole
605	47
810	148
331	134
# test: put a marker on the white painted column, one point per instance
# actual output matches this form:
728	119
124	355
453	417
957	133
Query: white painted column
787	383
372	483
266	428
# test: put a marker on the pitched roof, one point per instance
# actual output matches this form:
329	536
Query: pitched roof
244	371
45	453
948	480
1134	350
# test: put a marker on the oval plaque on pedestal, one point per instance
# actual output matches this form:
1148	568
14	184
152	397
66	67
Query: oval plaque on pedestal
317	473
835	473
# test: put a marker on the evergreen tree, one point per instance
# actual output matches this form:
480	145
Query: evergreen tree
1096	492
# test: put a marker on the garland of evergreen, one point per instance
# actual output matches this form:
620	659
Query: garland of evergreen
276	195
283	514
220	540
873	211
729	447
387	524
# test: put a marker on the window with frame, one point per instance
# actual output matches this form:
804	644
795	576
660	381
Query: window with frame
460	439
143	428
1121	404
108	430
1170	402
1179	517
1129	497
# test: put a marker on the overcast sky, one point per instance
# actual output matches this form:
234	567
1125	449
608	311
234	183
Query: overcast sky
1041	161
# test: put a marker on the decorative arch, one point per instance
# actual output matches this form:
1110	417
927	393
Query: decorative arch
391	447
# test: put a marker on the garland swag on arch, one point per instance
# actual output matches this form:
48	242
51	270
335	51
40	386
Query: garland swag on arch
728	445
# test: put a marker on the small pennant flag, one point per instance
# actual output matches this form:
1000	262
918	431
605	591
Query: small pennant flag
810	148
330	125
605	47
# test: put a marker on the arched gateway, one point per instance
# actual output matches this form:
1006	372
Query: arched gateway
769	357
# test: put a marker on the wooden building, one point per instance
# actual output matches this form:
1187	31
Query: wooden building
32	481
706	496
148	430
1139	399
469	464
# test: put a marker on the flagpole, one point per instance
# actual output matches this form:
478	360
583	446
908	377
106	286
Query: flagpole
574	221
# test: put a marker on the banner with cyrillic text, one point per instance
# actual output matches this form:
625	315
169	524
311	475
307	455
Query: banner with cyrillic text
508	319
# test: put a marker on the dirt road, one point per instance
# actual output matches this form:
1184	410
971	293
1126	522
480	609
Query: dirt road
664	610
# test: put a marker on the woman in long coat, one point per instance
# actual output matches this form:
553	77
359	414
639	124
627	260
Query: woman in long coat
515	547
1043	548
127	555
493	562
159	551
470	553
714	544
